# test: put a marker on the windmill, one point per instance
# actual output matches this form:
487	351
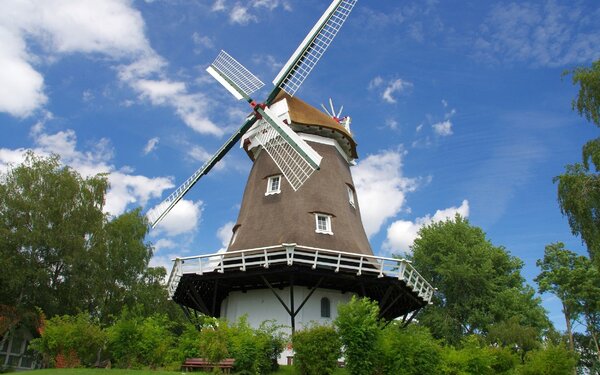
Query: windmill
295	158
297	248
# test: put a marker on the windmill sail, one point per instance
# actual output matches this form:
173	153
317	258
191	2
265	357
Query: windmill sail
234	76
300	64
295	158
156	214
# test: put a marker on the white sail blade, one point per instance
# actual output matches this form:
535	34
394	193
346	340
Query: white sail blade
156	214
294	157
234	76
311	49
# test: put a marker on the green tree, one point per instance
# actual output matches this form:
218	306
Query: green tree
586	283
579	185
511	334
59	251
478	283
558	267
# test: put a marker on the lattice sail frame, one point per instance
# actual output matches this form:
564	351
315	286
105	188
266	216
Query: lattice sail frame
244	82
292	155
300	64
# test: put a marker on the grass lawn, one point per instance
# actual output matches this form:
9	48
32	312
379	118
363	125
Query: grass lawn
283	370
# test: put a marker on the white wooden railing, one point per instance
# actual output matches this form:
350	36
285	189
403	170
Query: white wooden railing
291	254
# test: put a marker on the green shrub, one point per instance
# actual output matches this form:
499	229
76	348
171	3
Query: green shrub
316	350
472	358
360	329
136	342
410	350
255	350
553	360
504	361
70	341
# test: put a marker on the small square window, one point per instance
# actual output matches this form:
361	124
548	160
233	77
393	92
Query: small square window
323	224
273	185
351	196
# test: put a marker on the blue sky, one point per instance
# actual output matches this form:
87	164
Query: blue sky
456	107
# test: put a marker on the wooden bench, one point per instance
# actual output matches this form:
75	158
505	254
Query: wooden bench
205	365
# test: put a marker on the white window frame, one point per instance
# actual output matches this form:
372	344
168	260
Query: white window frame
327	229
270	190
351	198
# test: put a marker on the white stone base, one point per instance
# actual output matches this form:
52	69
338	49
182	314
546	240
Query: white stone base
260	305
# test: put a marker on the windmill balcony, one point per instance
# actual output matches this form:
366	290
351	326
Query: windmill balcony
201	282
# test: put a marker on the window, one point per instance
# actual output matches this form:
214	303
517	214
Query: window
273	185
350	196
236	229
325	308
323	223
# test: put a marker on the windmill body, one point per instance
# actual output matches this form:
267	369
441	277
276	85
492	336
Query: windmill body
298	248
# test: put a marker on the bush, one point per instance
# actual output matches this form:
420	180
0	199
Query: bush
410	350
70	341
472	358
136	342
359	328
553	360
316	350
255	350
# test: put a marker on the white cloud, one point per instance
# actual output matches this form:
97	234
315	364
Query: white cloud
381	188
183	218
201	42
218	6
22	87
245	12
125	187
393	87
164	243
151	145
402	233
239	14
443	129
375	82
111	28
391	123
224	233
541	33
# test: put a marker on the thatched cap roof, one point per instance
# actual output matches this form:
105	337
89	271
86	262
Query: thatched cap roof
318	122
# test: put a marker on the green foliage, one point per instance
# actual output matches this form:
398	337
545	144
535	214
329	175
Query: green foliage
553	360
558	268
135	341
213	344
360	329
478	283
66	334
410	351
587	102
588	361
579	186
472	358
255	350
316	350
55	236
511	334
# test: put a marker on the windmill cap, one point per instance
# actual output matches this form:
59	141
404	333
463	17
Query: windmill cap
316	121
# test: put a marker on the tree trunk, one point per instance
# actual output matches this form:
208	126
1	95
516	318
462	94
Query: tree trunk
569	330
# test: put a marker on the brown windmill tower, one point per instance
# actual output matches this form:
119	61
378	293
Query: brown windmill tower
298	248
